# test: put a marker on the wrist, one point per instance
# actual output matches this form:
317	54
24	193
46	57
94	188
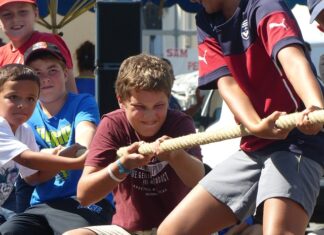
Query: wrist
113	176
122	169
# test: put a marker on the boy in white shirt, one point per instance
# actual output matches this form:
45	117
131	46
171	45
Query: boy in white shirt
19	91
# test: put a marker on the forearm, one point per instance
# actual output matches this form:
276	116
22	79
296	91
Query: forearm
40	177
94	185
84	133
48	162
238	102
189	168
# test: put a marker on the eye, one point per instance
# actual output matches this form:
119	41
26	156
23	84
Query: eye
31	100
13	97
52	72
139	107
6	15
159	106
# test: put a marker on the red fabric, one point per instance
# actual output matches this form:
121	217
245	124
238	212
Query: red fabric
3	2
9	56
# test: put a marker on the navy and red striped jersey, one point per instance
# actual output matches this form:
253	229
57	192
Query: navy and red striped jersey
246	47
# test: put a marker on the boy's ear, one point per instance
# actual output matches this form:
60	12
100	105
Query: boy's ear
120	102
36	12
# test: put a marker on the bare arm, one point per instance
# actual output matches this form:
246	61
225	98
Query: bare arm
95	183
189	168
42	176
300	75
84	133
241	106
45	161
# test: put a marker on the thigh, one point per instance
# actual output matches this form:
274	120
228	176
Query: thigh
234	182
290	176
108	230
25	223
67	214
23	194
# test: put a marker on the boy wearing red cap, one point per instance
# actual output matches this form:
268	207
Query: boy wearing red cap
17	19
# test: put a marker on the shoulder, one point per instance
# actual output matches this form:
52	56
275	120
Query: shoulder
4	126
116	115
82	98
262	8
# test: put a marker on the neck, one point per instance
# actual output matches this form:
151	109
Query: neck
18	43
52	108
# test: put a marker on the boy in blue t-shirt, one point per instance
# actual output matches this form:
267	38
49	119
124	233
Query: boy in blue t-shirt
60	119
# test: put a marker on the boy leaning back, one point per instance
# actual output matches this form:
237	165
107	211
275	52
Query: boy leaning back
146	188
253	52
19	91
17	19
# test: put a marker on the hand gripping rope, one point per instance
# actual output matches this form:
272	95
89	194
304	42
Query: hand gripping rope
283	122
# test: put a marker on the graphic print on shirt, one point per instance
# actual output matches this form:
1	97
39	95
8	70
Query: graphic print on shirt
151	178
56	138
8	176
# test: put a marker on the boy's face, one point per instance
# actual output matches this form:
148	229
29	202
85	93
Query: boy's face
17	20
17	101
52	79
146	111
320	21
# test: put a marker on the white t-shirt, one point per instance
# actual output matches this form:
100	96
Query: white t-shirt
11	145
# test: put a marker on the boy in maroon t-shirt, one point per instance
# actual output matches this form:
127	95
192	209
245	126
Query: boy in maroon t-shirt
146	188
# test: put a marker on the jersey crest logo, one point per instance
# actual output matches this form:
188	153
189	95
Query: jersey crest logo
245	32
281	24
203	58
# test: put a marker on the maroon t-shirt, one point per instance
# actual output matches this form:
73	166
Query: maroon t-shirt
149	193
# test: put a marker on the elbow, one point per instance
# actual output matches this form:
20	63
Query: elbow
83	200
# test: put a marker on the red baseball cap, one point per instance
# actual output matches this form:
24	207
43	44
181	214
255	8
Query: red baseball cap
43	47
3	2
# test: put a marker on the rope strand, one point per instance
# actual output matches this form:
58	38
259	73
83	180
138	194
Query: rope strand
284	122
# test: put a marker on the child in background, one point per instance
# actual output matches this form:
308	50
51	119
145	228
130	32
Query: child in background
85	81
19	91
60	118
17	19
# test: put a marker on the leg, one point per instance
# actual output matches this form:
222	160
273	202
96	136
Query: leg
25	223
80	231
98	230
198	213
284	216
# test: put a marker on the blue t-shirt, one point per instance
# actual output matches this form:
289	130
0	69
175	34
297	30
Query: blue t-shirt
60	130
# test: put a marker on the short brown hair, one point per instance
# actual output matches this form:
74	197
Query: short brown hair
143	72
17	72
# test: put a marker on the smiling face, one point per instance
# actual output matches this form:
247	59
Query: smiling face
52	78
146	111
17	21
17	101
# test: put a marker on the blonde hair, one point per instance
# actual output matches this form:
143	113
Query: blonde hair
143	72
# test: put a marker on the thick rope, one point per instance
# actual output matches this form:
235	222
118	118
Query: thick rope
284	122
